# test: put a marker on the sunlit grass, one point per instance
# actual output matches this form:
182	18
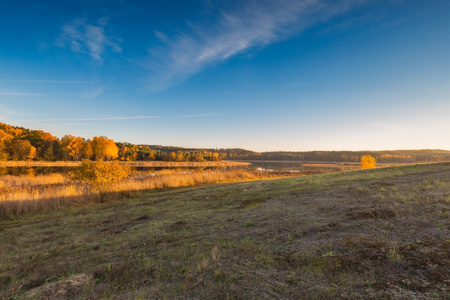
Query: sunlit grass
21	195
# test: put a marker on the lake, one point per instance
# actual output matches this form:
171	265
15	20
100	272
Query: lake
277	167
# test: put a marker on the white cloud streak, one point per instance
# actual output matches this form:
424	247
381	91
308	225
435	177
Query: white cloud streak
21	94
45	81
249	24
82	37
92	93
18	94
121	118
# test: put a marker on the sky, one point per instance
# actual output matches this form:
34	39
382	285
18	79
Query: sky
262	75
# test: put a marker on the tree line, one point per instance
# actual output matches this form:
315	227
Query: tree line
393	156
18	143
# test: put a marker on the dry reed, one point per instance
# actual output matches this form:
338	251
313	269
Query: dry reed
21	195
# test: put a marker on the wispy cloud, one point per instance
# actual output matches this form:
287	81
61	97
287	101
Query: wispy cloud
92	93
119	118
45	81
33	94
235	29
83	37
21	94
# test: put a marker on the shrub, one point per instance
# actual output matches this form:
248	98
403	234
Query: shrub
100	174
367	162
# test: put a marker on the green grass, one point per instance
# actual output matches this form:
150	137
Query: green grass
372	234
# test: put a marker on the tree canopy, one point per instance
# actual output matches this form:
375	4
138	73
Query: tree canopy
18	143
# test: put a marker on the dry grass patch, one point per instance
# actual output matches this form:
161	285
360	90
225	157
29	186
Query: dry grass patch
20	195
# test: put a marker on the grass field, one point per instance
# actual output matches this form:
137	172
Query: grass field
372	234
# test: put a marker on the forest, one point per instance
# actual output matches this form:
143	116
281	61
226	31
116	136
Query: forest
18	143
386	156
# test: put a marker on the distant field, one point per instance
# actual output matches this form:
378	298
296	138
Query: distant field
128	163
372	234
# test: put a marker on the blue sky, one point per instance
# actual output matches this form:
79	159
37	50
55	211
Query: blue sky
261	75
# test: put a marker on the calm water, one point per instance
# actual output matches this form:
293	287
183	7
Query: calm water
17	171
271	166
299	166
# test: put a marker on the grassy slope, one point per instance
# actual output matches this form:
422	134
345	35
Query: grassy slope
372	234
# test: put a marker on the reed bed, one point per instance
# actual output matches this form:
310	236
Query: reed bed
20	195
162	164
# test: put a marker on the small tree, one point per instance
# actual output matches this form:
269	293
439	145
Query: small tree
367	162
100	174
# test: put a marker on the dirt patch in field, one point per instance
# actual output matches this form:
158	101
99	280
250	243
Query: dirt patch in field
61	289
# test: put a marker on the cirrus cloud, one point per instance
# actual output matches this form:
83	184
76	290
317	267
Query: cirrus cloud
93	39
233	30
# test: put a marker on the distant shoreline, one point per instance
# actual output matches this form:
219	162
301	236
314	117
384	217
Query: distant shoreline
128	163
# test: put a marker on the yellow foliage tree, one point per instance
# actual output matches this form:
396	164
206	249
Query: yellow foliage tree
101	174
104	148
73	146
32	153
367	162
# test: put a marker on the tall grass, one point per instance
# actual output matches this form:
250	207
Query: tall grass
223	163
21	195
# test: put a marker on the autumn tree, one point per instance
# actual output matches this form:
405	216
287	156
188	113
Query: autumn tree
172	156
180	156
43	141
4	139
215	156
31	153
73	146
367	162
21	150
197	156
104	148
88	152
101	174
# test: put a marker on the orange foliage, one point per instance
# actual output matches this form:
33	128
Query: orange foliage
104	148
367	162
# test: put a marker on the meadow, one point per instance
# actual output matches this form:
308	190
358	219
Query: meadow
367	234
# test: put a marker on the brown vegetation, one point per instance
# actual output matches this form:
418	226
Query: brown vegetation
367	234
21	195
152	164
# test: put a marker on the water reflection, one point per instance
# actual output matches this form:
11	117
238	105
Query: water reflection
34	171
276	167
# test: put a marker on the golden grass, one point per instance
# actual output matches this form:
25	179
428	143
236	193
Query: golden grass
21	195
161	164
31	181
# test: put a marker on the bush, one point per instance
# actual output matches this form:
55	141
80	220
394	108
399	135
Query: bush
100	174
367	162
